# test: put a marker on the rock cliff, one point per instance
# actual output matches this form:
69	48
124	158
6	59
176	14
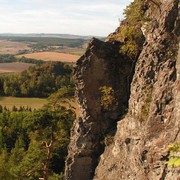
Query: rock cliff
102	78
130	109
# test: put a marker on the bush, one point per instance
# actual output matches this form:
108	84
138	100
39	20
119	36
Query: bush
107	97
174	157
130	30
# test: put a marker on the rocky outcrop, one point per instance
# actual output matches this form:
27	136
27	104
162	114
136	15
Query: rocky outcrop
102	78
139	151
104	83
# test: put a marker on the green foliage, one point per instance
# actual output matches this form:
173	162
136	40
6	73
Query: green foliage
134	13
174	157
61	96
24	136
9	58
62	93
107	97
130	30
37	81
130	48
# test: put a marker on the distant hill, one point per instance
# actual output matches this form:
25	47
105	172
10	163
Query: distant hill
65	36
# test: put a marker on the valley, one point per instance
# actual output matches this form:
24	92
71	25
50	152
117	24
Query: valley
37	104
20	52
85	108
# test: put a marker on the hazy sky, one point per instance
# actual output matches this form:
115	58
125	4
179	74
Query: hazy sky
83	17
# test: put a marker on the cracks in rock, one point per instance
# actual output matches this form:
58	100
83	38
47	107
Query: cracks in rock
129	79
143	155
176	135
164	173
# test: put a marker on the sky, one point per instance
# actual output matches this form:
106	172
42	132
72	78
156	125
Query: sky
80	17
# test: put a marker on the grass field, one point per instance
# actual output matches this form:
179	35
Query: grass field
52	56
74	51
34	103
12	47
14	67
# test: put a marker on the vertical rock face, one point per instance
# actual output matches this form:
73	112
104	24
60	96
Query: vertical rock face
139	151
102	78
139	148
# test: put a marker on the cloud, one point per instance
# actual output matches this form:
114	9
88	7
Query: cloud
65	16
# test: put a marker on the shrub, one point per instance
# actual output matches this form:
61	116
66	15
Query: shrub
130	30
107	97
174	156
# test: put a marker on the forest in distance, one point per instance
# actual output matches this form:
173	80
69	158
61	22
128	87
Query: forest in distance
33	141
38	81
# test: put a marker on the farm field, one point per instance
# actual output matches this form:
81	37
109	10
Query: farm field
12	47
34	103
52	56
14	67
74	51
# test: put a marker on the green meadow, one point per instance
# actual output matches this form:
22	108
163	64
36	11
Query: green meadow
34	103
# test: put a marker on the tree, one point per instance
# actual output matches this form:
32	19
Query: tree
61	96
1	109
14	108
33	144
38	81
